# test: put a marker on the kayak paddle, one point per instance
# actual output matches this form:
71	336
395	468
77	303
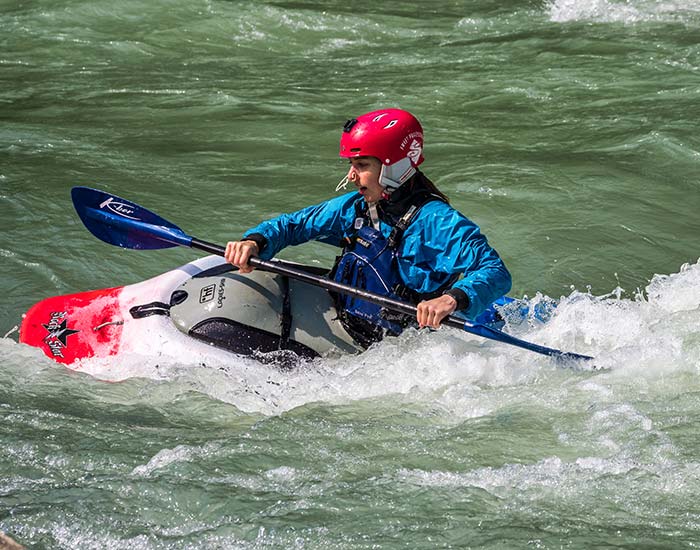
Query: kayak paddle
123	223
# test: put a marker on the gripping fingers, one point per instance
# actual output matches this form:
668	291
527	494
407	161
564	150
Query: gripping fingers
430	313
427	315
239	252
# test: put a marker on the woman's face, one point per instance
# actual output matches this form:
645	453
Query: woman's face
364	173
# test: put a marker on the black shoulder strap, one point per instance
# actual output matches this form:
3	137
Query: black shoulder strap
397	233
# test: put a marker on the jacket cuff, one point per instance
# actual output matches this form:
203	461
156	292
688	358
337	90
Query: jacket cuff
459	295
258	239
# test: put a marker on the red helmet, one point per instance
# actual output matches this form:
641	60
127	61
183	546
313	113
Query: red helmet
388	134
394	136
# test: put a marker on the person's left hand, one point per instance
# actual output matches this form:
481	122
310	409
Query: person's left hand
431	312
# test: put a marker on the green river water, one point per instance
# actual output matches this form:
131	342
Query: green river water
567	129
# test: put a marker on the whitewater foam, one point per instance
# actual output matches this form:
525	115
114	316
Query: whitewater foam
634	341
627	12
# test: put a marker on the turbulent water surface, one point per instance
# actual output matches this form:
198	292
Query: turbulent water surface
567	129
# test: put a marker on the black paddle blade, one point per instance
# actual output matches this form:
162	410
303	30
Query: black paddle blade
123	223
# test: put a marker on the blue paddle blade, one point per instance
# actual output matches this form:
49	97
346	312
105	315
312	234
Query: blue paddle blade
123	223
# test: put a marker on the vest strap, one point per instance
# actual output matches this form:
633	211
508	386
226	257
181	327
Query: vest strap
286	321
397	233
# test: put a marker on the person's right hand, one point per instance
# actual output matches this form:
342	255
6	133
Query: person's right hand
239	252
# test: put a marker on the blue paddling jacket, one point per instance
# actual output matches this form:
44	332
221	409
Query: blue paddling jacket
438	244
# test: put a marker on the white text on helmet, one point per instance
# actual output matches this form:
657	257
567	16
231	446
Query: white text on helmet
411	136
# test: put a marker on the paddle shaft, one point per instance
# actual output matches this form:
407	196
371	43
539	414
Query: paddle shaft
322	282
124	223
388	303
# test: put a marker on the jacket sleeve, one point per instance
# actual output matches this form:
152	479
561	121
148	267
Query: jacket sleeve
441	243
325	222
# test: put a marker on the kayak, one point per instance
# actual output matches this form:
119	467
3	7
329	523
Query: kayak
281	308
203	303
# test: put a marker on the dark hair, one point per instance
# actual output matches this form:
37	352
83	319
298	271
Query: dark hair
419	180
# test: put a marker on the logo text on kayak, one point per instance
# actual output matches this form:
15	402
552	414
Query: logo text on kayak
221	294
58	332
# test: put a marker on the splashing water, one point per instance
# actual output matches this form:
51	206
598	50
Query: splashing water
626	11
651	335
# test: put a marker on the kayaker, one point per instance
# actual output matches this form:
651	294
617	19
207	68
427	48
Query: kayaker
399	235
